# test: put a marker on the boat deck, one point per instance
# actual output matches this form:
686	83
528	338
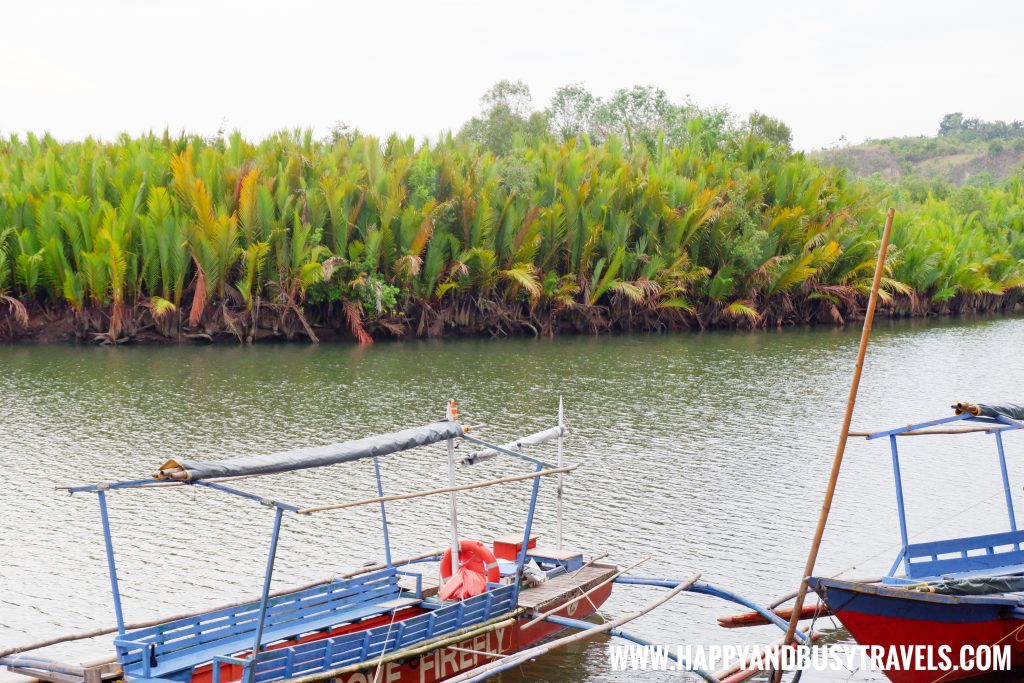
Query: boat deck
564	587
539	598
429	585
554	591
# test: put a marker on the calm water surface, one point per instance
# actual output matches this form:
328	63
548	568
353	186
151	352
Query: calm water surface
708	452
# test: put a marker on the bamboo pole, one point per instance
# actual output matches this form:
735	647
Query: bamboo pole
588	563
94	633
491	668
434	492
844	434
739	672
562	605
481	653
460	636
926	432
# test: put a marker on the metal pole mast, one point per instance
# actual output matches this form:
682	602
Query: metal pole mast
453	415
111	564
265	595
561	493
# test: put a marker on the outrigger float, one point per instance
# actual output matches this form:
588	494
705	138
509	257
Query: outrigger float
952	593
487	612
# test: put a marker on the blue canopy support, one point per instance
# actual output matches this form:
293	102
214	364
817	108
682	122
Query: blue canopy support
1010	422
265	595
900	558
383	512
901	509
521	560
996	425
130	484
214	475
923	425
150	483
1006	482
111	564
245	494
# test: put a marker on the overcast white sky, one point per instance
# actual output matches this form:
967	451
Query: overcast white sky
857	69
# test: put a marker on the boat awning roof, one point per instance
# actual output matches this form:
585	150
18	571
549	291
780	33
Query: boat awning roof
1014	411
305	458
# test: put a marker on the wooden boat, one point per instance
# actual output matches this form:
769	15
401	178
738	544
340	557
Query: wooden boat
391	622
942	594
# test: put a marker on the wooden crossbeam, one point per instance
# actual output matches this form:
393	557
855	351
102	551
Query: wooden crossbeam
434	492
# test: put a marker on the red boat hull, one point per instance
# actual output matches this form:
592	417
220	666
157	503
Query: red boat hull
897	619
444	663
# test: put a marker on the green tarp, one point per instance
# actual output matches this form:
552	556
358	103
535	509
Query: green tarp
985	585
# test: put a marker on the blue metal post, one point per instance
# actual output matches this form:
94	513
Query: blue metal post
900	509
897	562
383	512
111	565
1006	481
521	560
264	597
923	425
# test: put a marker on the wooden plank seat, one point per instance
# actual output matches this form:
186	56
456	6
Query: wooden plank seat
172	649
570	559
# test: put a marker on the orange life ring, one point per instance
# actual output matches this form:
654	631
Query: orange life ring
474	555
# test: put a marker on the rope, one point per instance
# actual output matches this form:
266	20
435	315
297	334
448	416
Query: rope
380	662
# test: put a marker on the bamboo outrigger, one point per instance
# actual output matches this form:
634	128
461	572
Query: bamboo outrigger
391	621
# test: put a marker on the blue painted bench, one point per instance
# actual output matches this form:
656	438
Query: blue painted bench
440	618
956	555
172	649
571	560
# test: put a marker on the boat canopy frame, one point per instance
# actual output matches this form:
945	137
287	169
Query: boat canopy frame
934	555
174	473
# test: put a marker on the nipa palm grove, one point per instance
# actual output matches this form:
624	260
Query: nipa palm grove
627	215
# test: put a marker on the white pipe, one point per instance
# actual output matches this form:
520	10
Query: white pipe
517	445
452	509
561	431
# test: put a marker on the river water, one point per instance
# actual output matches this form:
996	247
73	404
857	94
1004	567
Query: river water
708	452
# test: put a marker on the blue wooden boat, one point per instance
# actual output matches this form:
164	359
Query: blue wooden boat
389	622
948	593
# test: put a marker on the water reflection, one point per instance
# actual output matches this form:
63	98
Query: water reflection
707	451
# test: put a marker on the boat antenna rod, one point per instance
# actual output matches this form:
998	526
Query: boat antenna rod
844	434
453	510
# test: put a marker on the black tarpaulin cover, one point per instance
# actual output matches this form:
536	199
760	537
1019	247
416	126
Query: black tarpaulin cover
982	585
319	456
1014	411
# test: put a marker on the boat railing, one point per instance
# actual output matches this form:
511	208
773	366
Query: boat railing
971	553
224	636
352	649
182	644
